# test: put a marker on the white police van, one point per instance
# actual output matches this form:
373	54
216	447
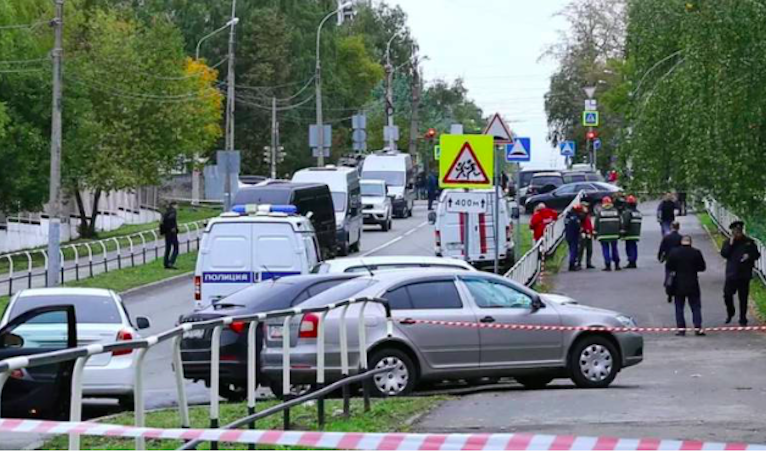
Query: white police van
252	244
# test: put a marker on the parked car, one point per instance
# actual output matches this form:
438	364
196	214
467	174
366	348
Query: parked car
262	297
544	183
562	197
572	176
371	264
377	207
101	318
525	177
399	173
422	352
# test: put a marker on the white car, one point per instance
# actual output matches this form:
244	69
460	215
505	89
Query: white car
101	318
383	263
376	203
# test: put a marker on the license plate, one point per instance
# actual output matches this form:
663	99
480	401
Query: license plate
194	334
275	331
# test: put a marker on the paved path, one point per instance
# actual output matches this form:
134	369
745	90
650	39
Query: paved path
711	388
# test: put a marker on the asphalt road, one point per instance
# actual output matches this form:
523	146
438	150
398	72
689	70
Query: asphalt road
710	389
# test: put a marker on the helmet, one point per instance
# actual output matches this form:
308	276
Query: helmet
606	200
577	208
631	199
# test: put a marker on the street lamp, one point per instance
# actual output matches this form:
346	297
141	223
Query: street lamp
390	92
231	23
318	77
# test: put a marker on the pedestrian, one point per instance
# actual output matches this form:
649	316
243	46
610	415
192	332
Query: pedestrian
540	220
682	210
685	263
420	184
573	229
608	234
668	244
619	202
432	185
586	237
666	213
741	253
169	229
631	230
613	177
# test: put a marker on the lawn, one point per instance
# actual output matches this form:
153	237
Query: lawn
386	415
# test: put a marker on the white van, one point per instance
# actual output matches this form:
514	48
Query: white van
347	199
396	170
450	228
242	248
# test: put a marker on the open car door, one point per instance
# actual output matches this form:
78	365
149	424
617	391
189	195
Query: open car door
40	391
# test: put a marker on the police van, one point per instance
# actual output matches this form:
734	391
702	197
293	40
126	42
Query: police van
252	244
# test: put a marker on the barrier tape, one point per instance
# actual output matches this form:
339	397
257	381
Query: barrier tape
531	327
370	441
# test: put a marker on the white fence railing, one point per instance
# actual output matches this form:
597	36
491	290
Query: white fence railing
528	268
722	217
349	371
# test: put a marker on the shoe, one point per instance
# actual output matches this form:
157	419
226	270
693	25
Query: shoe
572	268
632	266
681	334
617	267
728	319
670	299
743	323
590	266
578	268
171	268
608	269
700	333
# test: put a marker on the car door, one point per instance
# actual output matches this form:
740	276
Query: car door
495	302
436	300
41	391
563	196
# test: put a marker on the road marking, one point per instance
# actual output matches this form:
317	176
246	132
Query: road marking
395	240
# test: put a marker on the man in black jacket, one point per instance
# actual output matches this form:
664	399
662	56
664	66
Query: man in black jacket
666	213
741	253
169	228
669	242
686	262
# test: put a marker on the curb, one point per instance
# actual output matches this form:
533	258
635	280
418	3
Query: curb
159	284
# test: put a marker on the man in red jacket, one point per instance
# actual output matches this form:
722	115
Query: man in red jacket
542	217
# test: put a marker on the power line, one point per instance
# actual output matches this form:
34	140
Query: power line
114	91
251	103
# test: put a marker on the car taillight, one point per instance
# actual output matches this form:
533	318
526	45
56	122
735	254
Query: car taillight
508	231
123	335
197	287
438	238
309	326
237	327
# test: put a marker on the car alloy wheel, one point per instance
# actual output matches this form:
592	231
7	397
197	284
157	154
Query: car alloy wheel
397	382
594	362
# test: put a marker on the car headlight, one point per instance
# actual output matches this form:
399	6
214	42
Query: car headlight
380	207
627	321
400	197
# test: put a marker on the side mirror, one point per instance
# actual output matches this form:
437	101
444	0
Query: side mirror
537	304
143	323
432	218
309	215
515	212
410	186
10	340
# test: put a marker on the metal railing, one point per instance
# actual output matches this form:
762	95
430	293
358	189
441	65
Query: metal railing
141	347
528	268
86	259
722	217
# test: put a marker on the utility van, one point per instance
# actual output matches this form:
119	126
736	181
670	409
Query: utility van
346	195
452	231
397	171
260	243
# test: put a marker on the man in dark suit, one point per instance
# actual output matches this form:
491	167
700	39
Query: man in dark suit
741	253
669	242
169	228
686	262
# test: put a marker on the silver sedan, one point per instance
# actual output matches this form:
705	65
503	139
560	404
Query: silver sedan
422	352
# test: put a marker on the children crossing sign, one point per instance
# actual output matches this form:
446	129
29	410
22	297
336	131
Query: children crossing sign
467	161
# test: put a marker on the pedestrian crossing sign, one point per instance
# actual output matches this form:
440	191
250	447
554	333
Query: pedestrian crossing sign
590	118
568	149
467	161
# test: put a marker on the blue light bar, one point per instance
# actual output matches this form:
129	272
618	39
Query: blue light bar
239	209
285	209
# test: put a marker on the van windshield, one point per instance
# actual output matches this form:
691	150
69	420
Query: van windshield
339	201
373	190
256	196
392	178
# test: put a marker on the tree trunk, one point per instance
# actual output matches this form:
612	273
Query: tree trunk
94	214
83	228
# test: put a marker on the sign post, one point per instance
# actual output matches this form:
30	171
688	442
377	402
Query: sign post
518	151
499	130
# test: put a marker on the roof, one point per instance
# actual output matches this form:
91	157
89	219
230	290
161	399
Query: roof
299	222
547	173
372	181
383	260
66	292
279	185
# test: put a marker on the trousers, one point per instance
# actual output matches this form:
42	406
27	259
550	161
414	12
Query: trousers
695	303
574	249
631	249
611	252
171	249
586	249
665	226
740	287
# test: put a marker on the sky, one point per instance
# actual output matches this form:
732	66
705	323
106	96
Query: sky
495	46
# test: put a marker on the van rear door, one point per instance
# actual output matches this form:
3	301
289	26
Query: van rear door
275	251
226	261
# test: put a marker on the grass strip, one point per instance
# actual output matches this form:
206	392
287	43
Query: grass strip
387	416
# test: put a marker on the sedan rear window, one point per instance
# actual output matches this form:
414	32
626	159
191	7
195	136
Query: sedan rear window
88	309
434	295
542	181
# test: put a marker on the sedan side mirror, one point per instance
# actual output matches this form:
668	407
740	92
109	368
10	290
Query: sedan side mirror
143	323
432	218
10	340
537	304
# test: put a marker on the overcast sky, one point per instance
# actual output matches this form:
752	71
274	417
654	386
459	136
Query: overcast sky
495	46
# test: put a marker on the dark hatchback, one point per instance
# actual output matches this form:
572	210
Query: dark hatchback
562	197
262	297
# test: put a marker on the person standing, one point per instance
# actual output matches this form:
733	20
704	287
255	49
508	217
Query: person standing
686	263
668	244
572	230
432	185
666	213
586	237
608	234
631	230
741	253
169	228
540	220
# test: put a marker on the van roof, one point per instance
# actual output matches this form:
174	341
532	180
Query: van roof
299	223
329	168
282	186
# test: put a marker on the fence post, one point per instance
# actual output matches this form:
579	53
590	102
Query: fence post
76	263
188	237
106	255
156	246
143	245
132	255
45	266
252	378
90	258
286	369
61	269
215	365
363	356
198	229
344	361
75	405
119	253
183	404
321	366
29	269
10	275
138	390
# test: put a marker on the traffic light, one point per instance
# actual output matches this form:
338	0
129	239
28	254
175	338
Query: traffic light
591	135
431	134
267	154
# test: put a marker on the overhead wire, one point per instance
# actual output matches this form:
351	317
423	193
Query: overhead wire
119	92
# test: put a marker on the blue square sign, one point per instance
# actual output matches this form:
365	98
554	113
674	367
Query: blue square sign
519	151
568	149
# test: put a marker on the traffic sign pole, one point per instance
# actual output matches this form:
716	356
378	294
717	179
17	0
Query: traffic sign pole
496	214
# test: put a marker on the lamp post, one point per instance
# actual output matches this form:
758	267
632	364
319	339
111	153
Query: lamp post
390	93
318	77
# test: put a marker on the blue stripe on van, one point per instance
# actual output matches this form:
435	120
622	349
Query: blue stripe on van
273	275
228	277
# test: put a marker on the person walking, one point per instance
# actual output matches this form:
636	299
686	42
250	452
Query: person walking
169	229
540	220
586	237
668	244
432	186
572	230
741	253
608	234
666	213
631	230
685	263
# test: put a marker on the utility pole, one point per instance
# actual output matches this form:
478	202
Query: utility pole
320	126
274	144
54	200
390	103
417	87
230	108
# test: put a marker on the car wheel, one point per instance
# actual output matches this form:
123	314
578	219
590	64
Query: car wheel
534	382
127	403
593	362
398	382
386	225
343	249
358	245
295	389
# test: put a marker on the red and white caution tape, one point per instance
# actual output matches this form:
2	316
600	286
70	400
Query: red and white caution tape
500	326
370	441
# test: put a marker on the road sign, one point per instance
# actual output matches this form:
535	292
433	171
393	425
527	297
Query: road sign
456	129
467	202
437	152
519	151
590	91
591	105
499	130
314	136
359	121
597	144
391	133
568	149
467	161
590	118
